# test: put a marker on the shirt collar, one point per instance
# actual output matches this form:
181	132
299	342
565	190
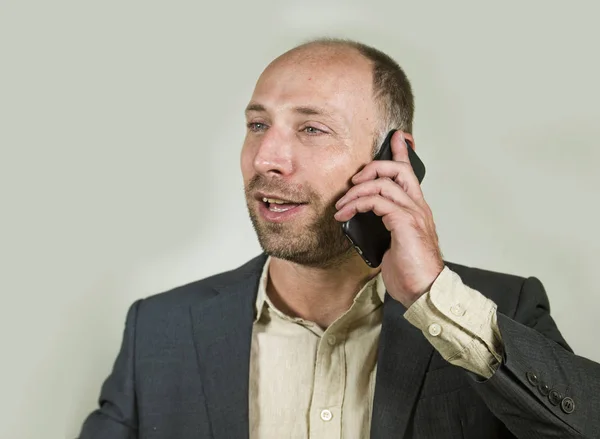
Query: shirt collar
262	290
375	285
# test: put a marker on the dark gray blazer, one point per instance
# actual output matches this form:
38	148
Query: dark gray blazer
182	371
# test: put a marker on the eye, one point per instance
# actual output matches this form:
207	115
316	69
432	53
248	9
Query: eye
312	130
256	126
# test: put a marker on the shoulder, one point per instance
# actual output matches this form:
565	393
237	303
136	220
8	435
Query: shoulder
183	296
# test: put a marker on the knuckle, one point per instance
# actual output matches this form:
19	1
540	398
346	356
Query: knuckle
371	166
385	183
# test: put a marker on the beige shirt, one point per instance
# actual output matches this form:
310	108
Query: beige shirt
306	382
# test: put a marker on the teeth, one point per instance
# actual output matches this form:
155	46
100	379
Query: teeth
273	201
274	208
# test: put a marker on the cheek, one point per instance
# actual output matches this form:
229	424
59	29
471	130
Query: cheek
335	175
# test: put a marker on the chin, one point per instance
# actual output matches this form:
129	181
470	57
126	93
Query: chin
302	253
316	242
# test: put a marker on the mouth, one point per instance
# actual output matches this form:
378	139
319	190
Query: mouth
279	205
278	209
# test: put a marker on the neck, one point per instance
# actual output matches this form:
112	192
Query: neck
319	295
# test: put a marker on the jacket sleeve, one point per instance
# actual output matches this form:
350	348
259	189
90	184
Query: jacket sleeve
116	417
541	389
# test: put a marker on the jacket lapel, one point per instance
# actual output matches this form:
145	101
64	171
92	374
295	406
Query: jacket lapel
222	330
403	358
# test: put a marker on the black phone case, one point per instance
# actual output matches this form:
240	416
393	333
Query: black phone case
366	231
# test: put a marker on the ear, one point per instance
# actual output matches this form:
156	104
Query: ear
410	139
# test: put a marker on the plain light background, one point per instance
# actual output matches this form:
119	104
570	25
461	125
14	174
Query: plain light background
120	130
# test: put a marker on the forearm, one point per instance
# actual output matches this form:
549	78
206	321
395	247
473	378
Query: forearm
520	366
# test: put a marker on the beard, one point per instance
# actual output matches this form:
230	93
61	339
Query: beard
319	242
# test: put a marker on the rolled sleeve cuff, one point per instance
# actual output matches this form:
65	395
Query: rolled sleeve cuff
460	323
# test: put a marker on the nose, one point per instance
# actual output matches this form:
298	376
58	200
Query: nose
273	154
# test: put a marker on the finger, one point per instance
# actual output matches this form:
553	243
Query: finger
400	147
380	186
374	203
400	172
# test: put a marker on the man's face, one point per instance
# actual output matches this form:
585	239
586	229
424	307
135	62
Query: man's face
311	124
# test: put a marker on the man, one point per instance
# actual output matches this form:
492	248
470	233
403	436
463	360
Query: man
308	341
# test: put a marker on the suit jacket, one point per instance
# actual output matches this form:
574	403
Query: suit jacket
183	370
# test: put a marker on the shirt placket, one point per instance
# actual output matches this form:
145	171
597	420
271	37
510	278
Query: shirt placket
329	384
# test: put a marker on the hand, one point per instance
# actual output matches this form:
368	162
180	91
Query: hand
391	190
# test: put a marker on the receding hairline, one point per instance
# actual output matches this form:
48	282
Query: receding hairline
380	64
337	45
391	89
334	50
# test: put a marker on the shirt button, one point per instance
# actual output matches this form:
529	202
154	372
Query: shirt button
331	340
457	310
435	329
326	415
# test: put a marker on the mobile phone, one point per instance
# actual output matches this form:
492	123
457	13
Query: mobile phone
366	231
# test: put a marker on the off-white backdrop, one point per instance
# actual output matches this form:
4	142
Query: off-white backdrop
121	125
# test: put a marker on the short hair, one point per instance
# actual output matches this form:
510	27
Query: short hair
391	88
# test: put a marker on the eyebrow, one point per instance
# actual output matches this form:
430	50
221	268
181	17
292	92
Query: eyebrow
255	107
303	109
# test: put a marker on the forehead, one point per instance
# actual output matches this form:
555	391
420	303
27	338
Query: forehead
340	80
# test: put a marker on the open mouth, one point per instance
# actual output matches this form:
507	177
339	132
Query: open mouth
277	205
